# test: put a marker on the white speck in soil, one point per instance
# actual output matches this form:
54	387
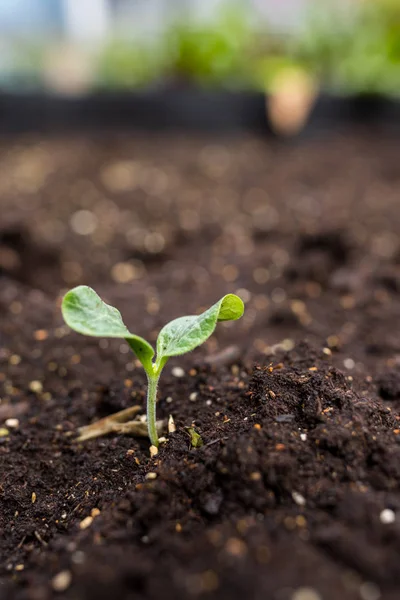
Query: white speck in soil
298	498
178	372
61	581
349	363
387	516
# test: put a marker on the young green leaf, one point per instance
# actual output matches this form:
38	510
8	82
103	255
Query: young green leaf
186	333
195	438
85	312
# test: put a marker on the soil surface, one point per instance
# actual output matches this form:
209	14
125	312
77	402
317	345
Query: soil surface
295	492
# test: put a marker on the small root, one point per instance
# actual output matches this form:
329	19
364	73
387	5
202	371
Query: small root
120	423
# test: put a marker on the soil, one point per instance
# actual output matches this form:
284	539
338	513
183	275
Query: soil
295	492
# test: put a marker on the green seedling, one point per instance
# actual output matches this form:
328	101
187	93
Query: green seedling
85	312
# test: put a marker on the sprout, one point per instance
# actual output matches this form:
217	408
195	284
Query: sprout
85	312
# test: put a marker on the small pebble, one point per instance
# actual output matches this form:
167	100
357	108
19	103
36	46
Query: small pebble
387	516
150	476
171	424
169	399
306	593
61	581
12	423
178	372
14	359
208	402
193	396
4	432
36	387
349	363
40	335
303	437
86	523
298	498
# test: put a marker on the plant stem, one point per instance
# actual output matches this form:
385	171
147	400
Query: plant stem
151	407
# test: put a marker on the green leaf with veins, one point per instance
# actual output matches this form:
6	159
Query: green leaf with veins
85	312
186	333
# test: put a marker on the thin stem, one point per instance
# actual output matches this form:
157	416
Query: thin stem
151	407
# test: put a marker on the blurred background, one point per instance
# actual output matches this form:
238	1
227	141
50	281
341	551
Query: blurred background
180	217
72	47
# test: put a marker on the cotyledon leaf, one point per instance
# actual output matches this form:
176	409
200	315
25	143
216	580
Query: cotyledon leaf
85	312
186	333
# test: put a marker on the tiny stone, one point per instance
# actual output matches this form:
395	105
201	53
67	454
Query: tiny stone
387	516
40	335
169	399
208	402
86	523
20	567
4	432
61	581
193	396
303	437
178	372
306	593
12	423
162	440
327	351
298	498
14	359
349	363
36	387
369	591
153	451
150	476
171	424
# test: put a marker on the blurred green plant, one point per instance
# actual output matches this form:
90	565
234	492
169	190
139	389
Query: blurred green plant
353	49
124	64
216	53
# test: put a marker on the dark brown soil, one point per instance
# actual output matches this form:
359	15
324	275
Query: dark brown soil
295	493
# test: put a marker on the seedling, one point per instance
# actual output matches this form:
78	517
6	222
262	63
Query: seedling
85	312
